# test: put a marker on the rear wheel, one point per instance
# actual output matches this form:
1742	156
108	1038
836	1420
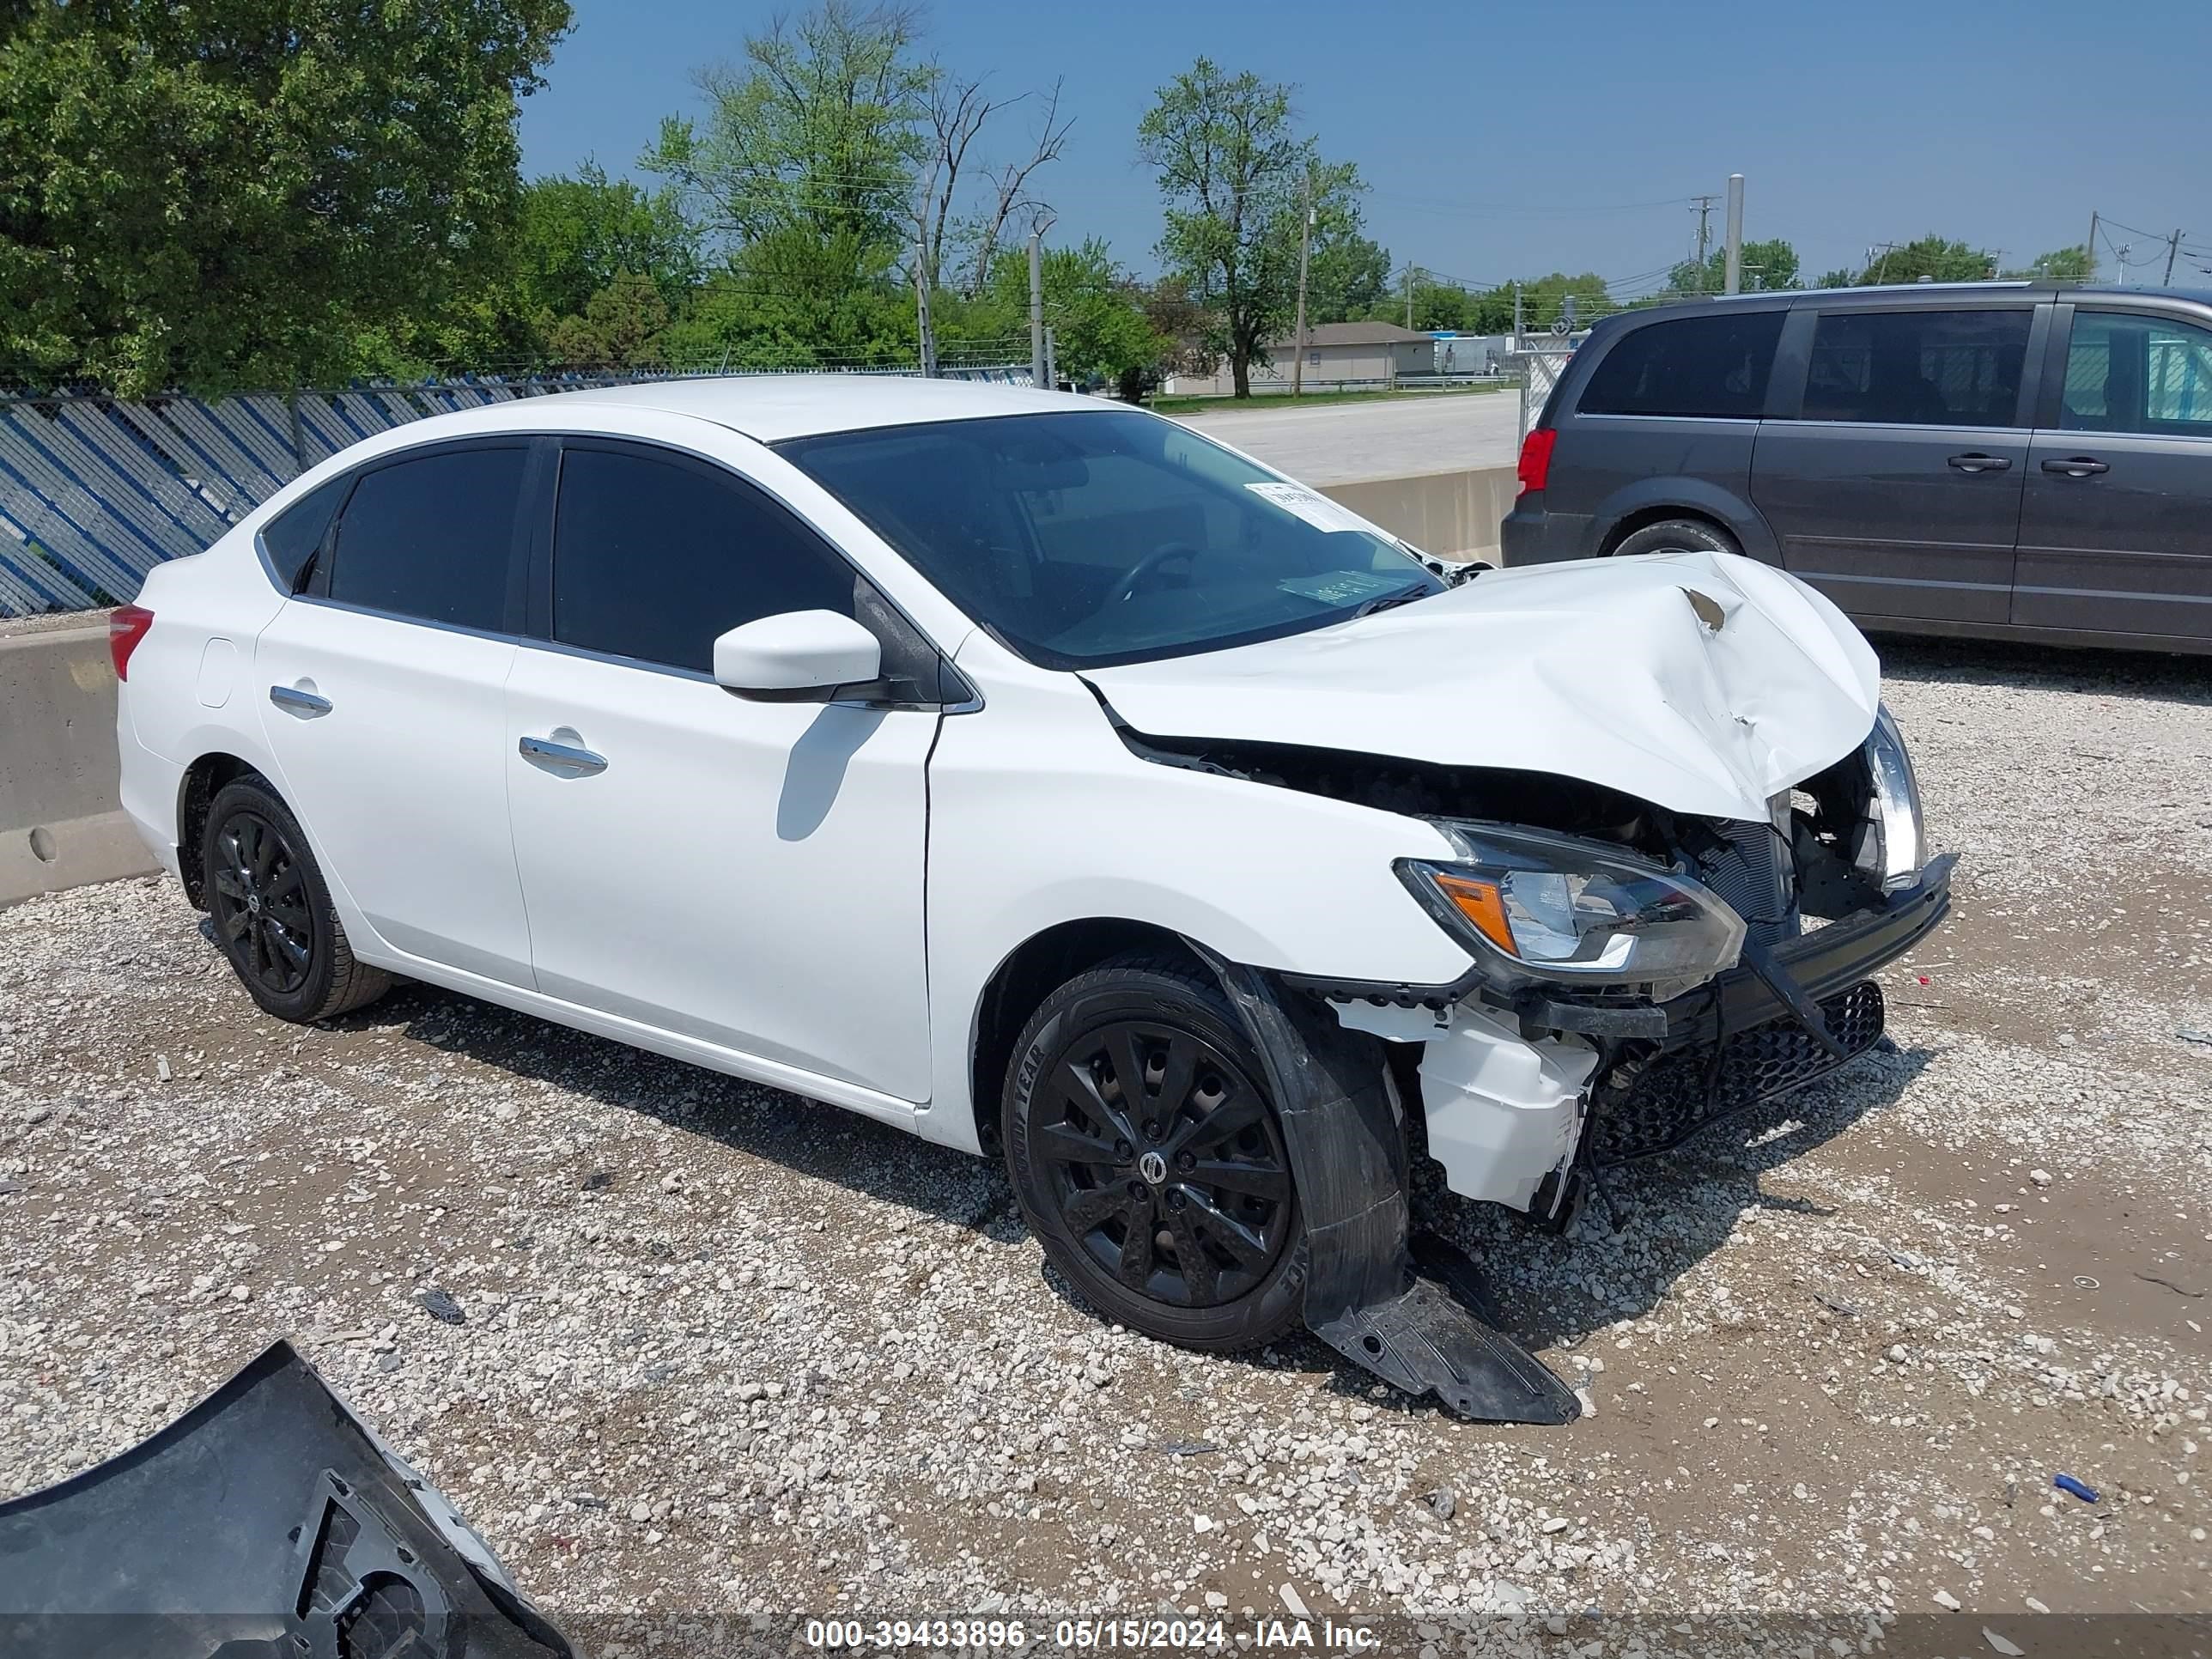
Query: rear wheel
271	910
1149	1160
1676	536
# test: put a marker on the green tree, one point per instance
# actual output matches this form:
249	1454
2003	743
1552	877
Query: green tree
1838	277
1097	313
1931	256
1348	273
819	130
1769	264
2064	264
226	194
575	236
1231	170
624	325
792	297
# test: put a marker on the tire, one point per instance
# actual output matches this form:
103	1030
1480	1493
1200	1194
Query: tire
271	910
1675	535
1201	1110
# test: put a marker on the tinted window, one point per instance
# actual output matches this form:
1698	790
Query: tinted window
294	536
431	537
2133	373
652	559
1917	368
1715	365
1085	539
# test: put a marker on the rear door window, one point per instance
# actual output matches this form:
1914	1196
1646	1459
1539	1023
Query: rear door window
2129	373
1918	367
1714	366
432	538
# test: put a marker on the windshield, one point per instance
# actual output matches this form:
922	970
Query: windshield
1090	538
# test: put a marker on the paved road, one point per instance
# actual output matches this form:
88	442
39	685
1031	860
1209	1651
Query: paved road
1332	443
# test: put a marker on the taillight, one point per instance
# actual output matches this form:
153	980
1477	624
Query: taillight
1536	457
126	626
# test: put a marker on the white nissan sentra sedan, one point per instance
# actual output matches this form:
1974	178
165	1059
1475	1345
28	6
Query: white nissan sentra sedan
1049	781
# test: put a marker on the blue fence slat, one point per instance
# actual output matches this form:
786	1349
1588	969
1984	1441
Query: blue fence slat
30	583
214	446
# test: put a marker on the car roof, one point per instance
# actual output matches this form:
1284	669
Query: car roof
770	408
1878	294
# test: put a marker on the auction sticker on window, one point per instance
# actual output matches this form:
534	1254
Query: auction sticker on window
1342	586
1315	509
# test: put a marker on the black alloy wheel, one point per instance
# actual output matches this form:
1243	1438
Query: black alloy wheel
271	908
1149	1159
258	898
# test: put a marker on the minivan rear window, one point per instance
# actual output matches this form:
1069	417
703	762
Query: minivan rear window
1714	366
1928	367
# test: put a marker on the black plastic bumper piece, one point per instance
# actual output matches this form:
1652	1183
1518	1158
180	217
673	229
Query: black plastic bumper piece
1362	1295
267	1522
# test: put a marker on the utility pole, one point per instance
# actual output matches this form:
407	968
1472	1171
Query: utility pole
925	339
1518	330
1051	361
1305	245
2092	247
1704	207
2173	247
1037	310
1732	279
1409	294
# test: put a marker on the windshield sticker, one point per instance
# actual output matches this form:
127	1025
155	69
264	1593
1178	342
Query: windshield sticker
1341	587
1318	511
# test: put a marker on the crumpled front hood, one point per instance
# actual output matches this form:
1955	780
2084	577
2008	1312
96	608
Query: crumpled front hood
1608	670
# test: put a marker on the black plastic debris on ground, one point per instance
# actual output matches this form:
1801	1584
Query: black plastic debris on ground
441	1307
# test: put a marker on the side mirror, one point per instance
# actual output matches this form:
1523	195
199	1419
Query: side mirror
802	656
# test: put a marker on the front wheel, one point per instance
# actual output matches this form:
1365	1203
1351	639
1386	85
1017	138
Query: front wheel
1148	1159
272	912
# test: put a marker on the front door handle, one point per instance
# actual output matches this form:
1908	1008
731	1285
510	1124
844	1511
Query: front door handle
1975	461
565	758
2075	466
293	700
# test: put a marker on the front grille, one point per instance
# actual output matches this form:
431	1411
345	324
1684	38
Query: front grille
1667	1100
1753	871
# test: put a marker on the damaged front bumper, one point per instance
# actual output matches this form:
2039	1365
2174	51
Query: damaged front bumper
1526	1103
1526	1094
267	1522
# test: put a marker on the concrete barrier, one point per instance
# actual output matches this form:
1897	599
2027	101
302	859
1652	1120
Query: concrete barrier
1454	515
59	823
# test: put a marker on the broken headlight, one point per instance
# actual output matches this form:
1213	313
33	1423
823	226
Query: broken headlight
1536	905
1890	847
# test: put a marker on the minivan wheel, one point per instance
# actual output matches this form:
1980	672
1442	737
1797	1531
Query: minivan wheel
1148	1159
271	910
1676	536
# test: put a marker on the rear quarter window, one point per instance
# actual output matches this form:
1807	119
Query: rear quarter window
1714	366
294	536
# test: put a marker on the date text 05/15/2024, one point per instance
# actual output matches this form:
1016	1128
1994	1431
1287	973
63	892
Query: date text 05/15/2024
1090	1635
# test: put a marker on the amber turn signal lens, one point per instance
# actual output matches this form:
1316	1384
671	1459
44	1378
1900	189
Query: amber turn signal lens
1482	904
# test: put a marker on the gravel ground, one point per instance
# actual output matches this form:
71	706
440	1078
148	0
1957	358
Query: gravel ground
723	1349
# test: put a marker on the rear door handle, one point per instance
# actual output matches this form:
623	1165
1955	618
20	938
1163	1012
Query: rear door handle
562	757
2075	466
1975	461
293	700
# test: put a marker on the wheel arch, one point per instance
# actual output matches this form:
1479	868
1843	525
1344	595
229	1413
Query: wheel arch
1032	971
1651	501
203	778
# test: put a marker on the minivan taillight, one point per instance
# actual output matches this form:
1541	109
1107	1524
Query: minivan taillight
126	626
1535	464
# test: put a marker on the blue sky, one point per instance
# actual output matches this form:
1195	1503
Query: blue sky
1508	142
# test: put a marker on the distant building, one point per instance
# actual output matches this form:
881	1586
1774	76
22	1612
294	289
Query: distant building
1339	357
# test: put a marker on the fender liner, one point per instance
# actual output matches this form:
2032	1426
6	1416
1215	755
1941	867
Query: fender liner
1362	1295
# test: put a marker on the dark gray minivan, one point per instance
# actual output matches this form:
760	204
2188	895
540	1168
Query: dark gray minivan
2007	459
